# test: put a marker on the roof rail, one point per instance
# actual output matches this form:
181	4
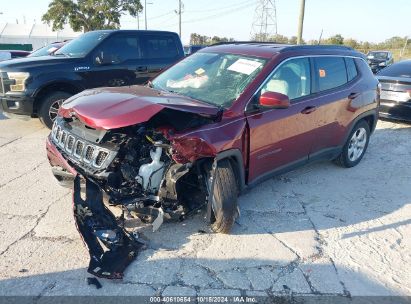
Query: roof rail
249	42
288	47
319	46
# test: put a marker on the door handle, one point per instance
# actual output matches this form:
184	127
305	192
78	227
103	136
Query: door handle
309	110
141	69
353	95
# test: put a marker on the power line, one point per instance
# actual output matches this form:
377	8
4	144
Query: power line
214	16
219	8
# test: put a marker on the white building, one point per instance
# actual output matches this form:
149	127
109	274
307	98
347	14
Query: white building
37	35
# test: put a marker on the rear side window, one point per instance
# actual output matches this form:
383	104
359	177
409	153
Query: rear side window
330	72
159	46
351	68
400	69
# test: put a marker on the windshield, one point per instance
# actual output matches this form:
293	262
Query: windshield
218	79
378	55
44	51
82	45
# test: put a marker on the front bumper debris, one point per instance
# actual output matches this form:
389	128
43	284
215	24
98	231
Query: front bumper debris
99	229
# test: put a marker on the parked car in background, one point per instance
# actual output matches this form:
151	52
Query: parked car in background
36	86
222	119
48	49
395	83
379	60
191	49
12	54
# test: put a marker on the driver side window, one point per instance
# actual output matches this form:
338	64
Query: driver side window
293	78
120	48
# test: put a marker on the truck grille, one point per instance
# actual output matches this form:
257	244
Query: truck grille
81	151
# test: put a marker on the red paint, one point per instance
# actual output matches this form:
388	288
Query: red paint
274	100
111	108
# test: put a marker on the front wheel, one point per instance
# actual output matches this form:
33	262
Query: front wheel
355	147
224	201
50	106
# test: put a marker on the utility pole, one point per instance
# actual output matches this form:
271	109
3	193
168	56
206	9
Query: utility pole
179	18
179	12
145	13
301	22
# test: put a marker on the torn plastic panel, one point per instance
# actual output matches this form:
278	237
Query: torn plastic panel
110	247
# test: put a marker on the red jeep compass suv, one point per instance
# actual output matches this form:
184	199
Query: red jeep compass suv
221	120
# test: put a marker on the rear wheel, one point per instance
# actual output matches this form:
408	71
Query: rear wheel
224	202
355	147
50	106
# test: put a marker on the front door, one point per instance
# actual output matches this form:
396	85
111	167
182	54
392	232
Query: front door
117	62
282	137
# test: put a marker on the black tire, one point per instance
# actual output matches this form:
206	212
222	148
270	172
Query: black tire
47	103
346	158
224	207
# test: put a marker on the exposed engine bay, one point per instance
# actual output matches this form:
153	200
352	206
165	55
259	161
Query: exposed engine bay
136	170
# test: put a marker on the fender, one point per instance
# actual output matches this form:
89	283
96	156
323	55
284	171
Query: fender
57	82
373	113
236	155
237	158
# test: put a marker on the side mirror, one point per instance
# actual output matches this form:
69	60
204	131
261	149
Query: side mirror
274	100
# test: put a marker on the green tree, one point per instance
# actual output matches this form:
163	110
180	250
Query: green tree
337	39
351	43
89	15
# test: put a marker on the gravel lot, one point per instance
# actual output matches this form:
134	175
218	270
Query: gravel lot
318	230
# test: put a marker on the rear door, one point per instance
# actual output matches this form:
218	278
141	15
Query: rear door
160	50
280	138
333	92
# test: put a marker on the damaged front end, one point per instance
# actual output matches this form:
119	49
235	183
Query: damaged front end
133	175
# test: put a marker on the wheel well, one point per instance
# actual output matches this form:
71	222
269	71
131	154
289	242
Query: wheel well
370	119
54	87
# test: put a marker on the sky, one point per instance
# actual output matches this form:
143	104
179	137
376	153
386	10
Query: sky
365	20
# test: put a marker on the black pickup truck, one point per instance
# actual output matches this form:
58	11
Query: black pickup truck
37	86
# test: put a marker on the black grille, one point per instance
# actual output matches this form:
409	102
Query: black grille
63	138
100	158
79	148
89	153
70	143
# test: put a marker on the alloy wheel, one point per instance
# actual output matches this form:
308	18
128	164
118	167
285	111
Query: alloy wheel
54	108
357	144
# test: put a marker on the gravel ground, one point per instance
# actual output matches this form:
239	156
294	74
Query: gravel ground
317	230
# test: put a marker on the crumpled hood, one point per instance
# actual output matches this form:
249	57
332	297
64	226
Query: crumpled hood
111	108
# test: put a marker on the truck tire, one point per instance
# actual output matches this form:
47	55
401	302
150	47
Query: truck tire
49	107
225	193
355	147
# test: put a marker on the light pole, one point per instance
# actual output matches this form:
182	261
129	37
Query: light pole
301	22
145	11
